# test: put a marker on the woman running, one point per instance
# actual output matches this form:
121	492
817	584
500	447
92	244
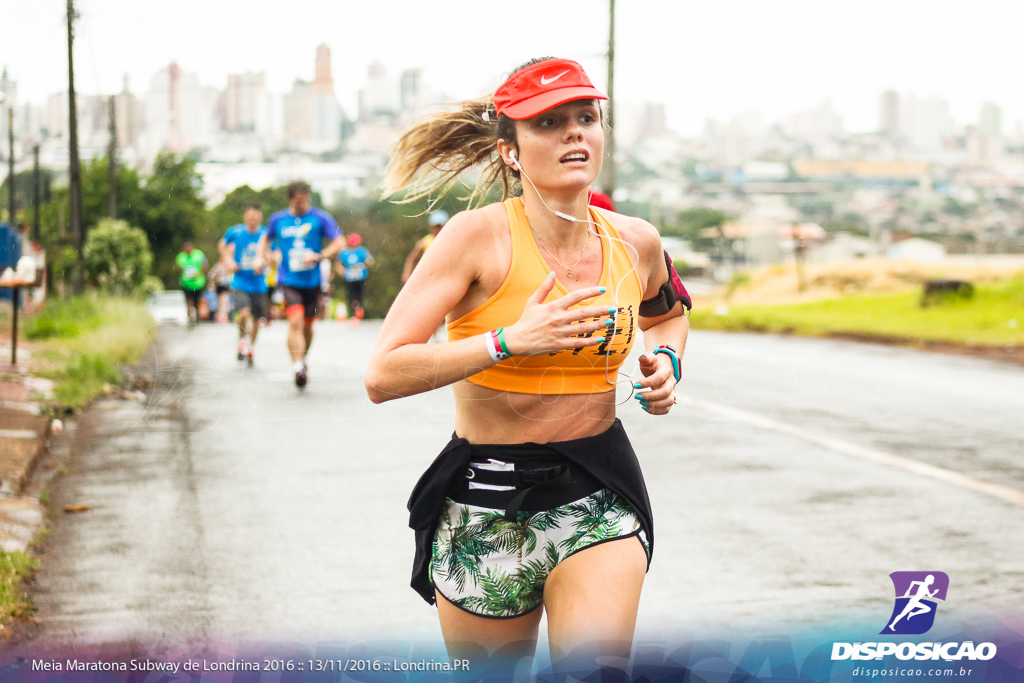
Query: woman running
538	503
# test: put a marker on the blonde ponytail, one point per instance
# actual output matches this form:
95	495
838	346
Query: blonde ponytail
430	156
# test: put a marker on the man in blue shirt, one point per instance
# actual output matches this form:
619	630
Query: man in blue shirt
301	230
238	250
352	265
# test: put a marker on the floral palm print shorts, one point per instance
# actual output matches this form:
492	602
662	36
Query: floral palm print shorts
492	567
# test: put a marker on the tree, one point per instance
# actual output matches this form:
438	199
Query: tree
175	211
131	203
23	192
389	231
692	222
229	212
117	256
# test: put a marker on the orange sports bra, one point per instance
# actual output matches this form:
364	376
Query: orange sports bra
590	370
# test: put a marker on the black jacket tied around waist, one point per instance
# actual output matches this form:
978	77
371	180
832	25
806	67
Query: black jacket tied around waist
607	457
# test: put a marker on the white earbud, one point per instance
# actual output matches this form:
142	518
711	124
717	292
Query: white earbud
515	162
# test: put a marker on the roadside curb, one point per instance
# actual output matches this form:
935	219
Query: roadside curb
24	432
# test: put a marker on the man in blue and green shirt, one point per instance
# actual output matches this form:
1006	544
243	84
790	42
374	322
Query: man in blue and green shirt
302	231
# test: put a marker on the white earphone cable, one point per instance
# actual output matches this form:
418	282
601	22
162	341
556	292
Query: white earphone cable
600	234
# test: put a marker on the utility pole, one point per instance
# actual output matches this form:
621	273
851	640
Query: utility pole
11	208
36	194
112	159
609	141
75	184
799	249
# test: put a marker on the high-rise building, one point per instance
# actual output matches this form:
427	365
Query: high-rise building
991	120
376	100
298	112
410	95
323	83
269	124
985	145
179	111
326	130
926	122
738	141
889	112
241	99
129	119
816	126
9	88
312	115
56	121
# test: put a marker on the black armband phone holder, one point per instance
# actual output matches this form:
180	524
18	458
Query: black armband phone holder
668	294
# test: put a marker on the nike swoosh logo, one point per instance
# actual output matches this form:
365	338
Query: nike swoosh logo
545	80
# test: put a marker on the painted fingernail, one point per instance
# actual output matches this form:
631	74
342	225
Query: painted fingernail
599	339
646	408
602	290
612	309
551	274
609	322
637	385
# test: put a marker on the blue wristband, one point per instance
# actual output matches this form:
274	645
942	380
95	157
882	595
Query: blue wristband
671	353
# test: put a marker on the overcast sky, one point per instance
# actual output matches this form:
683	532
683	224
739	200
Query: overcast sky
707	59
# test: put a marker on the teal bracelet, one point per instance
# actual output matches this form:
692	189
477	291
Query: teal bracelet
501	340
671	353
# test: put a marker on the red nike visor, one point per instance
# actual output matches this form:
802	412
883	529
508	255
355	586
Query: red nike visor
542	86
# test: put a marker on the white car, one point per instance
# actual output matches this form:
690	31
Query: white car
168	307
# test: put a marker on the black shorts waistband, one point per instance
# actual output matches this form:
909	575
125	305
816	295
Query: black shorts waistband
542	479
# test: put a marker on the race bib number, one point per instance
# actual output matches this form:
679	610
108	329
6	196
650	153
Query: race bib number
191	272
297	260
248	259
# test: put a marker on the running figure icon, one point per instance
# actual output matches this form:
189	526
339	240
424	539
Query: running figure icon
917	594
915	606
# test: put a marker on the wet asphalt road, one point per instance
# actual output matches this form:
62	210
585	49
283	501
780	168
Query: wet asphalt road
786	487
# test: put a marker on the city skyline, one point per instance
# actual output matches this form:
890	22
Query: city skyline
388	92
779	60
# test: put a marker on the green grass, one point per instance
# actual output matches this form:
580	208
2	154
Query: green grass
986	319
15	567
64	319
111	331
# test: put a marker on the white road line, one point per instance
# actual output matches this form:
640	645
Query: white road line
881	457
18	433
25	407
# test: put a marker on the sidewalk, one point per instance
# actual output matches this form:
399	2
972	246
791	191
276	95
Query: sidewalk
23	436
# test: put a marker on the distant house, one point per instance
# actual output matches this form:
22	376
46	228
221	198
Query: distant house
688	263
840	246
916	249
768	242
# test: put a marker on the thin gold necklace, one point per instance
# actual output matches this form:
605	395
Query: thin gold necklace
568	270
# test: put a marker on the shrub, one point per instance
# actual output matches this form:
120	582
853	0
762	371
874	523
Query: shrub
117	256
150	285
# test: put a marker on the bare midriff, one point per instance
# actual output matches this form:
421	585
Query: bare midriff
485	415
